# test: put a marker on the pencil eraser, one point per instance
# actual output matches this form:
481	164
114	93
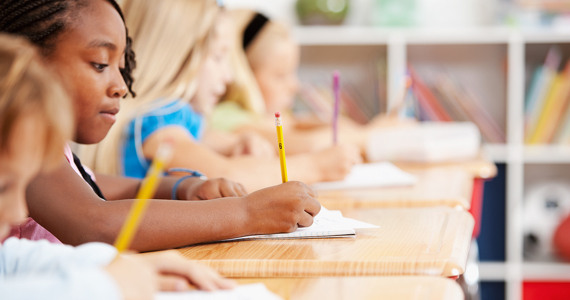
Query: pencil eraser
277	114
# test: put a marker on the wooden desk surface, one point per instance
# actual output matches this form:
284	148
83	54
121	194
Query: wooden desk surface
362	288
447	186
410	241
480	167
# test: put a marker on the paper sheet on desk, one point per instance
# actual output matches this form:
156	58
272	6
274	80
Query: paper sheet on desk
380	174
256	291
327	224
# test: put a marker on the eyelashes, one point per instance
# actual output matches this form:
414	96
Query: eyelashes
99	67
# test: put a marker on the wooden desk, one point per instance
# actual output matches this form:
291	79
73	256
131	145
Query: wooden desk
480	167
447	186
362	288
411	241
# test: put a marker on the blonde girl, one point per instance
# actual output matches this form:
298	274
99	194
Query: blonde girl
265	65
182	73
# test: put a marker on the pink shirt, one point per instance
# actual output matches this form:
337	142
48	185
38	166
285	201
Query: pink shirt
30	229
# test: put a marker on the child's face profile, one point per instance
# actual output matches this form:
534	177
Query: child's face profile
276	75
215	72
19	164
87	57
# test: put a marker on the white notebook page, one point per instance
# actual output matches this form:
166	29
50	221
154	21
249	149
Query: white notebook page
380	174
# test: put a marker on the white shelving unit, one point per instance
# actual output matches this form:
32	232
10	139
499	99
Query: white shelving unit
401	44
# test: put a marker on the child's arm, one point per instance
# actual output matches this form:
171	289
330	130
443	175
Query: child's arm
303	137
254	173
66	206
311	140
119	188
236	144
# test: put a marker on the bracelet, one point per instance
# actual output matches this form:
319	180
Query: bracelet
192	174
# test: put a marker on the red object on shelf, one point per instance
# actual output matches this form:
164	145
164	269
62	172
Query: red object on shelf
546	290
477	204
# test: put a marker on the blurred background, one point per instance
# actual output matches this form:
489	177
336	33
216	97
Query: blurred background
501	64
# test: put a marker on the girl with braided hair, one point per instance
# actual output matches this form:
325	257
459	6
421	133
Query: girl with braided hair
30	99
86	43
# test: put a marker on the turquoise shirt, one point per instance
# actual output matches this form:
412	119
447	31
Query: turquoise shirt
177	113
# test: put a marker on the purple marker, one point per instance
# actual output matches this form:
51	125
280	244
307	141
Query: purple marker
336	91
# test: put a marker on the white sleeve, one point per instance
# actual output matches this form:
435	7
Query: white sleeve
41	270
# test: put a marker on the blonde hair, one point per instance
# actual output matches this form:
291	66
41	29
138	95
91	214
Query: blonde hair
170	39
244	90
28	88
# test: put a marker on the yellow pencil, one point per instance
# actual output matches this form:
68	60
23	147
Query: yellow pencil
281	147
146	192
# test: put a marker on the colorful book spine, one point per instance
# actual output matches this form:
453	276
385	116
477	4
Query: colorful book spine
540	90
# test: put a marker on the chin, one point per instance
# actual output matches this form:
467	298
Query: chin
91	136
4	232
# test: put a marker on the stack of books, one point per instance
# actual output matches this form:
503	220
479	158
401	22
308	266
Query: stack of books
316	97
446	100
547	102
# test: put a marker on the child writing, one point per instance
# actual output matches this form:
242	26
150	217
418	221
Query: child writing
86	42
35	121
266	81
196	72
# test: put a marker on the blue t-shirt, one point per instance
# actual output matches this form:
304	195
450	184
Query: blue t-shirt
177	113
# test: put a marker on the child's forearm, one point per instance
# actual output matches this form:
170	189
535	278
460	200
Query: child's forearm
116	187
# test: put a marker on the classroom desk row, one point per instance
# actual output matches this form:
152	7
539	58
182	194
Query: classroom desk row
410	241
424	236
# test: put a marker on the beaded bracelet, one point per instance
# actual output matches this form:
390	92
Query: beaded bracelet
192	174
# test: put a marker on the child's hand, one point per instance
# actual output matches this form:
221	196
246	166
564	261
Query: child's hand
336	162
281	208
136	278
198	189
176	273
255	145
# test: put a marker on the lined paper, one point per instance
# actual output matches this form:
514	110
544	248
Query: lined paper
327	224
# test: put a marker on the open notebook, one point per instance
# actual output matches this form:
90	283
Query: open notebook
256	291
328	223
380	174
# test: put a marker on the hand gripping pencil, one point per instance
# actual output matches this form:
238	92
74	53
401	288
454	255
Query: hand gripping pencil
281	147
146	192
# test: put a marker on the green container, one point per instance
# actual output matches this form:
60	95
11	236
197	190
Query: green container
394	13
322	12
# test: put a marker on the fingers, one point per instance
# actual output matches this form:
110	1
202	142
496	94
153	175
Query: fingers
201	276
172	283
207	279
312	206
228	188
221	187
209	190
241	190
311	191
306	220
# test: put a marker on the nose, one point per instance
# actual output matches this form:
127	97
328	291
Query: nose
117	86
228	74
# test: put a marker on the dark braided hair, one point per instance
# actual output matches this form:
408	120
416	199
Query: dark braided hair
42	21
